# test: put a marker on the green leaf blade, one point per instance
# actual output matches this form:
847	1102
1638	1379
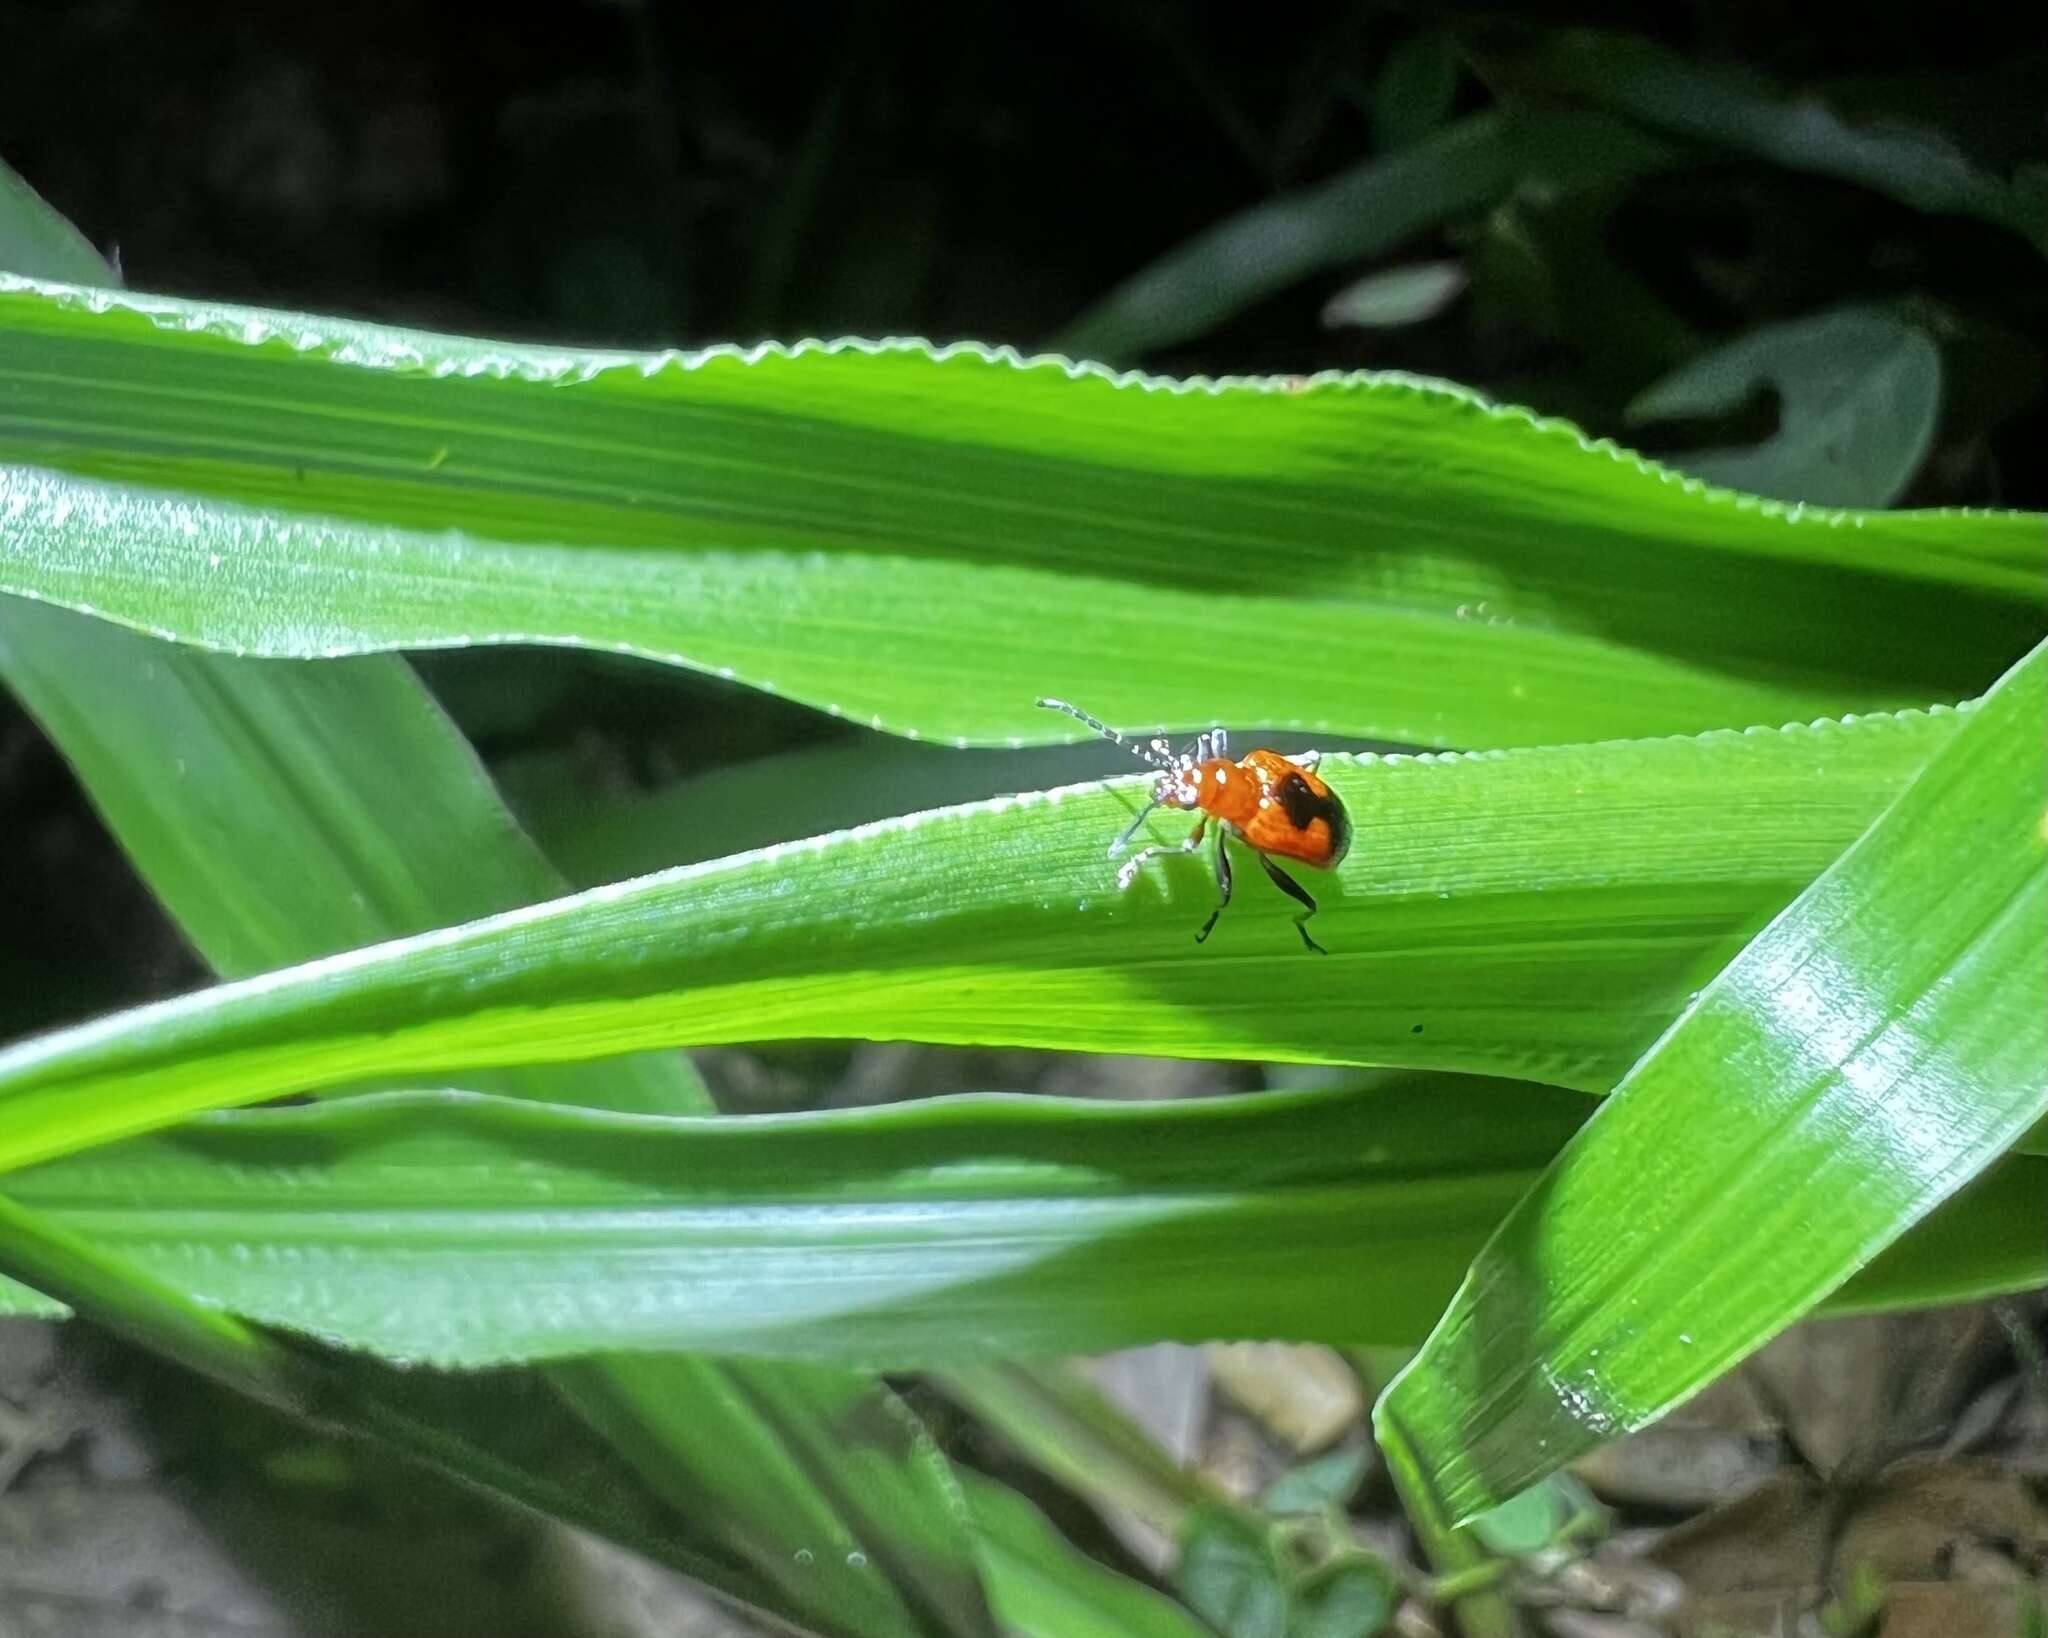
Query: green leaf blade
1541	914
290	486
470	1231
1042	1587
1860	392
962	1229
1872	1051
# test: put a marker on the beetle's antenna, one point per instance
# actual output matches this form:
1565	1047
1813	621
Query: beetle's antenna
1144	753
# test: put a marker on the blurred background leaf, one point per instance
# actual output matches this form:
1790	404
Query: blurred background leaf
1369	210
1231	1574
1401	295
1857	395
1733	107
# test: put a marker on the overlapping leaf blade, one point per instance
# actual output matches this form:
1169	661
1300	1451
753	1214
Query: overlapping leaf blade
1541	914
1457	574
281	811
276	806
1871	1051
912	1233
471	1231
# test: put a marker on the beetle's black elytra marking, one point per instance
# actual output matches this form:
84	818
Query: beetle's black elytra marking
1304	807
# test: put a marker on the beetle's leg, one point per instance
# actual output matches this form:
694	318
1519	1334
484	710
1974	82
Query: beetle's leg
1124	840
1136	862
1295	891
1222	883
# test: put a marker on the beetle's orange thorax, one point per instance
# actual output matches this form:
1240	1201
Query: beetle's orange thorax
1276	805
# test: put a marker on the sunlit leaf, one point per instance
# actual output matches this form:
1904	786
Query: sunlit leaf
1875	1048
1542	914
1460	574
470	1231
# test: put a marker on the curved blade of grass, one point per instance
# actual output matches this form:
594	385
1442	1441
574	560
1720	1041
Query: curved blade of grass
467	1231
282	811
1872	1050
1467	575
247	793
286	811
1541	914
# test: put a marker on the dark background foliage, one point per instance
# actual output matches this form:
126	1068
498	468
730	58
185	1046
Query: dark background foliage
654	175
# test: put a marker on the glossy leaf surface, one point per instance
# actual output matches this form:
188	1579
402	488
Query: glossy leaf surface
471	1231
1461	574
1541	914
1875	1048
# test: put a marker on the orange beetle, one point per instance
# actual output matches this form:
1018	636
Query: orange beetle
1271	803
